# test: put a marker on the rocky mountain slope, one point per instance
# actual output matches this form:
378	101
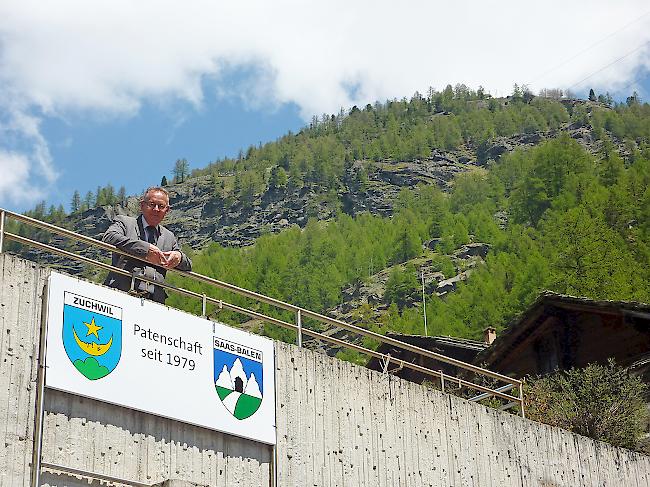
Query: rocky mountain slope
200	217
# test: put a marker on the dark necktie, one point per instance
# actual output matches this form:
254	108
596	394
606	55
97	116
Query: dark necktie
151	235
151	238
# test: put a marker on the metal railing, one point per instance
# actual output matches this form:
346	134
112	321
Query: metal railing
299	313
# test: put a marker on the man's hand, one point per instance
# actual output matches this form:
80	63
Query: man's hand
156	256
172	259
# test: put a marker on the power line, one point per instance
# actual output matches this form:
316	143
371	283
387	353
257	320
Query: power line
610	64
590	47
638	86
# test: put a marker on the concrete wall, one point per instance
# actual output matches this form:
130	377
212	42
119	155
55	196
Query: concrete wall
21	284
94	436
338	425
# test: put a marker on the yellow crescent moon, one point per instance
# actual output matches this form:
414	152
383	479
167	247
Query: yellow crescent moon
91	348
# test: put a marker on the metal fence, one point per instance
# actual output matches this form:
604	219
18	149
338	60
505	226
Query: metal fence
299	313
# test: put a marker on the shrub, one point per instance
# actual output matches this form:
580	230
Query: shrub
603	402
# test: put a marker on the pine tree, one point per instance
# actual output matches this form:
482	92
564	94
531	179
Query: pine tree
526	94
163	181
75	204
109	194
407	244
633	99
121	196
89	200
592	95
401	285
39	210
60	214
181	170
278	178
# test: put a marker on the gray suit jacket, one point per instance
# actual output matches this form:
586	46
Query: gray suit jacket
128	234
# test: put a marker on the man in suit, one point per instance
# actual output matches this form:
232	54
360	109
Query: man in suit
146	238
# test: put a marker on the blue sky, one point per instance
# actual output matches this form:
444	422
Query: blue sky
137	151
115	92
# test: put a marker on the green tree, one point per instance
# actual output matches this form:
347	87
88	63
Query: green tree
633	100
472	189
460	231
121	196
407	245
531	125
554	169
60	214
444	264
612	167
181	170
109	194
89	200
278	179
163	181
402	285
587	257
75	204
580	116
251	184
526	95
592	95
295	180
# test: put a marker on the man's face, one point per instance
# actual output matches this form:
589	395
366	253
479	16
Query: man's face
154	207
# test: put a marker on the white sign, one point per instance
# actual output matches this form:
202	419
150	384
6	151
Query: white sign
116	348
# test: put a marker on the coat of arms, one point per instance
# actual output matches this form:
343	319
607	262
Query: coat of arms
92	335
238	377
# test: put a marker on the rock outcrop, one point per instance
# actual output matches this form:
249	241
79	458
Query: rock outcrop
199	216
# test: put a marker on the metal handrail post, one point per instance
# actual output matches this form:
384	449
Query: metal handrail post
2	229
424	307
299	325
40	392
273	470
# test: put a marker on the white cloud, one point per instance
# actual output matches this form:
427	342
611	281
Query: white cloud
28	127
106	58
14	168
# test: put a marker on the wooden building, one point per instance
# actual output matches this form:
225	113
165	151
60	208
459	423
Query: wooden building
557	332
561	332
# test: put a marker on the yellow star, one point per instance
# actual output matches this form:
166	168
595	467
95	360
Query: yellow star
93	328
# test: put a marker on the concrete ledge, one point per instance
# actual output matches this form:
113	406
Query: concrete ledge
179	483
